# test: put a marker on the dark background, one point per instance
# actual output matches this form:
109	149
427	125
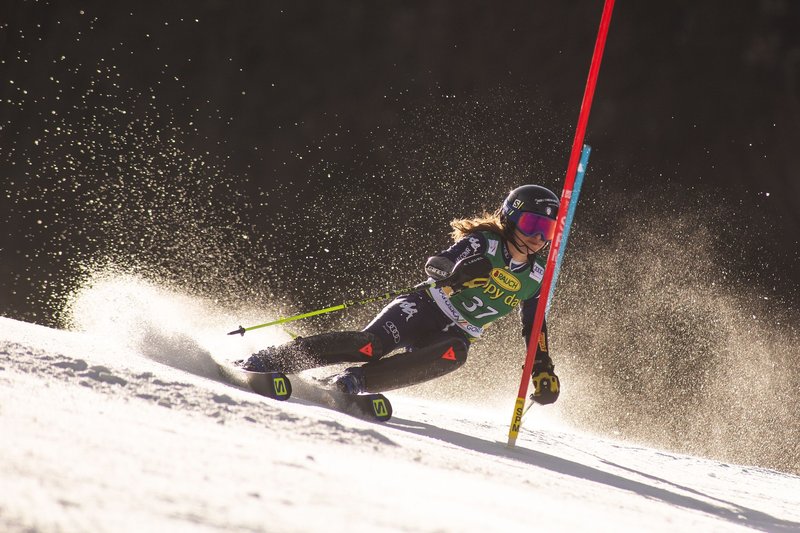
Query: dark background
289	156
291	102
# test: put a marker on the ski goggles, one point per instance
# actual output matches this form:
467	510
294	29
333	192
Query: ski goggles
531	224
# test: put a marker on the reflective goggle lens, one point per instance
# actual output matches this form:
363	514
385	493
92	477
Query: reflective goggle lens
531	224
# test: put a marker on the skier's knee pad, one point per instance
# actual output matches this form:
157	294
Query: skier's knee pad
416	366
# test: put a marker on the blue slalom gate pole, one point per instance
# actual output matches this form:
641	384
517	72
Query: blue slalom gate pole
576	192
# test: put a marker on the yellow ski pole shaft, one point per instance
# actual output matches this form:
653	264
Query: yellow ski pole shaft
349	303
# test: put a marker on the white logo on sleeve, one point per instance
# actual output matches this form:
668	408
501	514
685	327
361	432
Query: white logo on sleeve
389	327
409	309
493	246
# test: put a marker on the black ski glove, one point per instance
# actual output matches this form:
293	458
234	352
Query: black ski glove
439	267
464	271
546	386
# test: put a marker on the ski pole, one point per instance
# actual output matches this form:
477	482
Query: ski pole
345	305
464	270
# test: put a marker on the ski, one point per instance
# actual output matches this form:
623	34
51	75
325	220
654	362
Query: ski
372	406
275	385
278	386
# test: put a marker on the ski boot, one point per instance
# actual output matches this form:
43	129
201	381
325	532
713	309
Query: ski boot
351	381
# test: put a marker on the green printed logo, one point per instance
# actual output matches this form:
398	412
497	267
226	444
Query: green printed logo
379	406
279	384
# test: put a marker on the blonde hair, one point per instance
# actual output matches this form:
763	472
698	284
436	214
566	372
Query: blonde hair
484	222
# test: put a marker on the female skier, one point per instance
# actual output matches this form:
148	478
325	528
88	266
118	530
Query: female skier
496	264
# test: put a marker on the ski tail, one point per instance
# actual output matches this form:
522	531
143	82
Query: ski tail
275	385
371	406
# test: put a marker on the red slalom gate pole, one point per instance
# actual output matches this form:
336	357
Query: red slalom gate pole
566	195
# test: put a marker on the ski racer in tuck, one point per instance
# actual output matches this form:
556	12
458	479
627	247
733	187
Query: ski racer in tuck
496	264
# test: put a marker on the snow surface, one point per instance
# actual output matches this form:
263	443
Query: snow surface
99	436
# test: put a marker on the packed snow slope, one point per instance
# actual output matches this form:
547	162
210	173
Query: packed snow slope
98	435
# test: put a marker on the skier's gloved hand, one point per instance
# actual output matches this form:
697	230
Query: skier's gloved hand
469	268
452	277
439	267
546	386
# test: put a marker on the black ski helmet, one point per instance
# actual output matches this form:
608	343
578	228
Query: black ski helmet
533	210
530	199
